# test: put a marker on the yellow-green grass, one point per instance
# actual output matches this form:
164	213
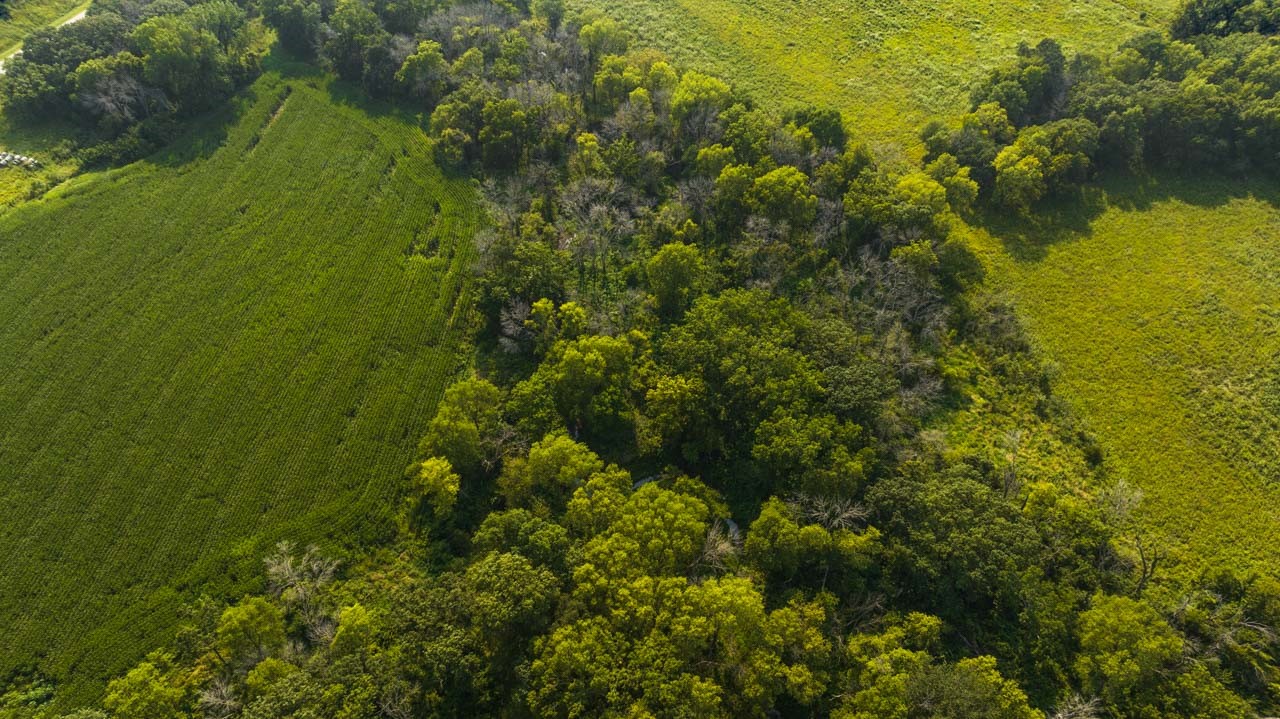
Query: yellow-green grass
890	65
27	16
1161	315
235	342
17	184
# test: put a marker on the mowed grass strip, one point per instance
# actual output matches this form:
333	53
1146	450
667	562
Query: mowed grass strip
27	16
890	65
211	350
1162	315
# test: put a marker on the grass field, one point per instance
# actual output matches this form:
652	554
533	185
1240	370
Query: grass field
202	353
1162	315
890	65
26	16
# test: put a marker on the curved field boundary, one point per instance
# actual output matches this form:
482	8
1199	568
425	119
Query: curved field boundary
209	351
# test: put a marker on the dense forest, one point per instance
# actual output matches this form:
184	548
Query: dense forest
693	472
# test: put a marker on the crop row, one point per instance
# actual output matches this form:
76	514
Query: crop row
207	354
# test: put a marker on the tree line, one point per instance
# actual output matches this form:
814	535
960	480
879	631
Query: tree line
1201	97
130	71
697	471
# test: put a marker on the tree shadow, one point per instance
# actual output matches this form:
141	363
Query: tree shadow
351	95
206	133
1027	238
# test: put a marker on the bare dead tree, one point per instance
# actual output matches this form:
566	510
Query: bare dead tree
1120	501
1077	707
298	580
832	513
396	701
514	332
219	700
1011	441
718	548
1150	555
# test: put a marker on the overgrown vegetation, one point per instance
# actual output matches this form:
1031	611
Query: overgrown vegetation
1163	315
696	468
890	66
695	473
129	70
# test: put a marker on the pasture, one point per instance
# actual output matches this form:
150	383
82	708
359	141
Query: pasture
890	65
1158	303
234	342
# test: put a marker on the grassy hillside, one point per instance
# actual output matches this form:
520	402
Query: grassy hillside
202	353
891	65
1163	316
26	16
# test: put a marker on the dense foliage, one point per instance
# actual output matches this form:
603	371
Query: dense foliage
1204	99
129	68
694	476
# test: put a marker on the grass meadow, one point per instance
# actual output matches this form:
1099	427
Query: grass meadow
26	16
235	342
889	65
1158	303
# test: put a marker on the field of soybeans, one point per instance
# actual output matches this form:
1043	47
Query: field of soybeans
234	342
890	65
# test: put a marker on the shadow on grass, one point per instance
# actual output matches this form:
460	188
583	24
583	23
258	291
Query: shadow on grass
1028	238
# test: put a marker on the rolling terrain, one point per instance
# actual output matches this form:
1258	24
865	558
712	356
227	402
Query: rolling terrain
234	342
26	16
1161	315
890	65
1157	304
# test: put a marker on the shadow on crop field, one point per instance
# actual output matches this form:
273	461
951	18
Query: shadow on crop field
208	133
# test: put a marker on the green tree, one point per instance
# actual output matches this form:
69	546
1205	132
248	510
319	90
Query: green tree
355	28
251	630
585	384
550	10
544	480
895	676
423	74
784	195
433	490
221	18
297	23
188	64
355	632
144	693
696	102
1020	180
504	134
676	274
602	37
467	427
1126	648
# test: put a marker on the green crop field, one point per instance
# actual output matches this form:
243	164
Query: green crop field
1163	316
238	341
890	65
